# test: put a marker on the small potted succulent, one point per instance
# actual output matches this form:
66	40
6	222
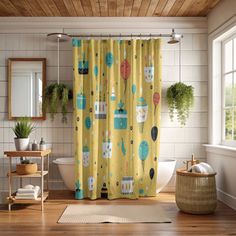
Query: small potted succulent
23	128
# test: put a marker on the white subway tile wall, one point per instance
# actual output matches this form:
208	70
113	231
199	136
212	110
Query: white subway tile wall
176	142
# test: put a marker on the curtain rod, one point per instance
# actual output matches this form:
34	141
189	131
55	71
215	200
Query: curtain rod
174	38
120	35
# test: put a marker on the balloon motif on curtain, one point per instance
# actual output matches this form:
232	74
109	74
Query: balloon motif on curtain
125	70
154	133
134	89
151	173
143	152
109	59
88	122
156	100
95	70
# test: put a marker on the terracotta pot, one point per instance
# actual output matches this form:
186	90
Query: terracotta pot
26	169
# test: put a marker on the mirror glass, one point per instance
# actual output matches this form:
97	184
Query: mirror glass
26	84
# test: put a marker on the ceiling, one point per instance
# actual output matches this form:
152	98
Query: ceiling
106	7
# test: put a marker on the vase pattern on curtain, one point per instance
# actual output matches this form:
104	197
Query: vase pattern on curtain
117	91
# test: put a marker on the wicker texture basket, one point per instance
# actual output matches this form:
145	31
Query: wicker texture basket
195	193
26	169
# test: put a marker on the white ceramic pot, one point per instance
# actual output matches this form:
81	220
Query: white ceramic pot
22	144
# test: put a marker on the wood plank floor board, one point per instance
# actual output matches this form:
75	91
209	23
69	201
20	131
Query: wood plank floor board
30	221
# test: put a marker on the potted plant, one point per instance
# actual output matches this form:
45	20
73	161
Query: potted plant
180	99
57	95
22	130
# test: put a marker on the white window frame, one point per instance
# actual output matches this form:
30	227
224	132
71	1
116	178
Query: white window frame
232	37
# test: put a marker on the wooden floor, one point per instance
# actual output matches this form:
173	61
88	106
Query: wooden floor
29	221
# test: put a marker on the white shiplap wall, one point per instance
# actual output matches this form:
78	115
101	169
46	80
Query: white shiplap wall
21	38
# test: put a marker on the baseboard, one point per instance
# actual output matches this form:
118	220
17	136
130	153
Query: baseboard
226	198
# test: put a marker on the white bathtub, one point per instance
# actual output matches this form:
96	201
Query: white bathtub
66	168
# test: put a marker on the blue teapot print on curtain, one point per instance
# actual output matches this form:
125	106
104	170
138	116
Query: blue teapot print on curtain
83	66
120	117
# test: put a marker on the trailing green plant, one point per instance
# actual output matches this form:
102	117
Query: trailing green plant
57	95
23	127
180	98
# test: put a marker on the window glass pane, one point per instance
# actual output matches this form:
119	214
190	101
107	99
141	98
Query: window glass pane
228	124
228	56
234	124
235	54
228	90
234	89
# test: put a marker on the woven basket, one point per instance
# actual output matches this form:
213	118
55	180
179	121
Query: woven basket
195	193
26	169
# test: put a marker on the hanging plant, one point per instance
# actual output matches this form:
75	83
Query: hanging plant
57	96
180	99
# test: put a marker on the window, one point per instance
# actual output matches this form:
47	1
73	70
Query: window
229	90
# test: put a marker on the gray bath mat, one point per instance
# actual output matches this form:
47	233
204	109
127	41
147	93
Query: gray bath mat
93	214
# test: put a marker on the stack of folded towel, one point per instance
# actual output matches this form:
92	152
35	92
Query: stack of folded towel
28	192
201	168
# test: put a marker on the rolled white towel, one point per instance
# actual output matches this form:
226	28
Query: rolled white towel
36	192
201	168
28	195
28	190
28	186
207	167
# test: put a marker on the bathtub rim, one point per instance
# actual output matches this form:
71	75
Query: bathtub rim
64	161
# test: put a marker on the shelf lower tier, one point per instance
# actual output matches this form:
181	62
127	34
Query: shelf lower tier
37	174
28	201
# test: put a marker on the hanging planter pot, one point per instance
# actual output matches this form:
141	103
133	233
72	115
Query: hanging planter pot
180	99
56	97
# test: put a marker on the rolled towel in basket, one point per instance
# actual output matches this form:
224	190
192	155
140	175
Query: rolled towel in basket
201	168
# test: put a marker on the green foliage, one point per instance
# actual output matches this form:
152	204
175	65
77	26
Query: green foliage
23	128
180	99
57	95
230	114
230	124
26	161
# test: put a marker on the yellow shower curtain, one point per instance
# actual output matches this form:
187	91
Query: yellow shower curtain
117	91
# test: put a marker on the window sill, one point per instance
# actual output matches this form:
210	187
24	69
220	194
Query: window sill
221	149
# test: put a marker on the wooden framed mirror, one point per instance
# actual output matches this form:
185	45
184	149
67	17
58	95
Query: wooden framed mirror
26	84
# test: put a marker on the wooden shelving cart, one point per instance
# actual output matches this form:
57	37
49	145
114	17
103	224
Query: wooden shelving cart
39	174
